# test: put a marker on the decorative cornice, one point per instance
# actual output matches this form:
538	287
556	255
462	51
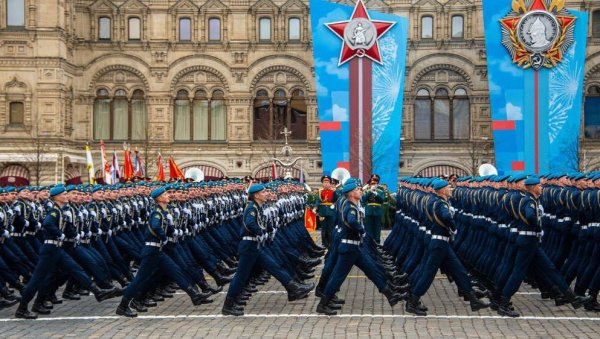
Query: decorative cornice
199	68
436	67
276	68
119	68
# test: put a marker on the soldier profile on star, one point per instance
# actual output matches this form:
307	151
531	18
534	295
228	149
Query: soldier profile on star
537	34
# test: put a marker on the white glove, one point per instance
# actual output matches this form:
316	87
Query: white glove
62	237
77	238
170	217
6	234
88	234
114	210
109	232
11	228
99	231
120	208
17	209
139	220
39	225
196	226
81	234
26	223
93	214
68	216
103	212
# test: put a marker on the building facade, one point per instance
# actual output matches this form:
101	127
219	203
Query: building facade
214	83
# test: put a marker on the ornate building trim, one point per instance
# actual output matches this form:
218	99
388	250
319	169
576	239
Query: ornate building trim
118	67
276	68
181	73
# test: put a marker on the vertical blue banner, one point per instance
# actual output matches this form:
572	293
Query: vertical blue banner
333	90
535	113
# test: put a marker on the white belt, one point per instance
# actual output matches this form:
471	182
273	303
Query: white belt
565	219
428	232
153	244
502	225
594	224
440	237
52	242
16	235
583	228
172	239
551	216
514	230
537	234
29	233
422	228
250	238
351	242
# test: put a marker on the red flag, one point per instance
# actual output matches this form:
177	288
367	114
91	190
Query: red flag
174	171
310	220
161	170
127	165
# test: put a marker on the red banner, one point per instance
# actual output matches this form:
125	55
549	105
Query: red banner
310	220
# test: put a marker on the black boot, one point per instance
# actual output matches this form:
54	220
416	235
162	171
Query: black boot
504	308
69	292
124	309
592	304
323	306
298	291
39	308
476	303
575	300
23	313
55	300
5	303
229	308
392	297
412	306
337	300
207	288
197	297
221	279
102	294
138	306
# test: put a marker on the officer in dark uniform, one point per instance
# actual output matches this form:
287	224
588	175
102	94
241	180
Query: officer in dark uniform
52	257
349	251
251	253
439	253
373	199
154	259
326	197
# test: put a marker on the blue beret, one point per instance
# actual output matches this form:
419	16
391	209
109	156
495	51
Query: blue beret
532	180
439	184
349	185
57	190
157	192
70	188
97	188
255	188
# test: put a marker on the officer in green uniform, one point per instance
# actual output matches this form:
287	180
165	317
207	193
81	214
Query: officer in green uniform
325	199
372	199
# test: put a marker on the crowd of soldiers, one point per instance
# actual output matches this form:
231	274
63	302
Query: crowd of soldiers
487	234
496	232
87	237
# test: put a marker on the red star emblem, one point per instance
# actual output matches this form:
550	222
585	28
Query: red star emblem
348	51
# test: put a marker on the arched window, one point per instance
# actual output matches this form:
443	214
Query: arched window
442	117
102	115
104	28
280	113
298	121
117	117
134	28
15	13
264	29
461	125
214	29
205	119
423	115
185	29
271	117
120	116
218	116
262	119
592	112
457	27
294	29
596	24
181	115
427	27
16	113
138	115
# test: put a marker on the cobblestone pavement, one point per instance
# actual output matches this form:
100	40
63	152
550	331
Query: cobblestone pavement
270	315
